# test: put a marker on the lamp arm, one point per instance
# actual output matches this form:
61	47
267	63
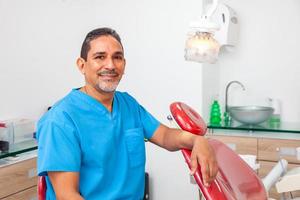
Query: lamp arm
212	8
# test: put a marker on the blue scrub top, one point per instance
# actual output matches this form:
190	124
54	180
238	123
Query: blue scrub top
78	134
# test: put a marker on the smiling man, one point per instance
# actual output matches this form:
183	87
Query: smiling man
91	142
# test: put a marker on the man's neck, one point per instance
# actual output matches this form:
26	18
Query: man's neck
106	98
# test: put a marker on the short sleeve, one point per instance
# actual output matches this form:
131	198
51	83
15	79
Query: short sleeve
150	123
58	147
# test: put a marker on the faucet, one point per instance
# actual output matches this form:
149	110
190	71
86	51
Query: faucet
226	93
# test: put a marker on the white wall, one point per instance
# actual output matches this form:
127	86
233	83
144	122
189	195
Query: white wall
40	41
266	59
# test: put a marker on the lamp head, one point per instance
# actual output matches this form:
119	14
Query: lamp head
200	45
215	28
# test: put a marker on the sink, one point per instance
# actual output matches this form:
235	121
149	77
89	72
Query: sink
250	114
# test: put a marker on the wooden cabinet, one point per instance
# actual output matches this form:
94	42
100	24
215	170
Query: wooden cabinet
18	181
28	194
267	152
268	149
241	145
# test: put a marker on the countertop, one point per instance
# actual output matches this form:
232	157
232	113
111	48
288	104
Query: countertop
282	130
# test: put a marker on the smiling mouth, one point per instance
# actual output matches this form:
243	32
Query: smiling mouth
109	78
108	74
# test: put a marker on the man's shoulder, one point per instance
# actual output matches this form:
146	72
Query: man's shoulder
125	96
59	109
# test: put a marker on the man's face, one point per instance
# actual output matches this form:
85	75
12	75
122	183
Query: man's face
105	64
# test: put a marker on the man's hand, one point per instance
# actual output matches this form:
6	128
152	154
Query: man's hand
203	154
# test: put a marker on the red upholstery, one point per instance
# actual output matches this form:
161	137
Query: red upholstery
42	188
188	119
235	179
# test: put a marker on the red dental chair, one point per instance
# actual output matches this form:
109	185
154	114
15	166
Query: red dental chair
235	179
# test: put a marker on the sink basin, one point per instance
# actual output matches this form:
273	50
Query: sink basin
250	114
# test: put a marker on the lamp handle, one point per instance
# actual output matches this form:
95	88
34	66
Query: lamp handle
212	8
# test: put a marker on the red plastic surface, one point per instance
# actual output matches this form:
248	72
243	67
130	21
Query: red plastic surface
42	188
188	119
235	179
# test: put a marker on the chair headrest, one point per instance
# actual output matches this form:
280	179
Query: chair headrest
187	118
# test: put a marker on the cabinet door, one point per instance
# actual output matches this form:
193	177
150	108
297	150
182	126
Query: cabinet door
268	149
29	194
241	145
265	168
17	177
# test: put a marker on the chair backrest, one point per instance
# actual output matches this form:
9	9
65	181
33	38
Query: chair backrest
235	179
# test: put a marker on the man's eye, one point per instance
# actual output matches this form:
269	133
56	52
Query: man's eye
100	57
119	57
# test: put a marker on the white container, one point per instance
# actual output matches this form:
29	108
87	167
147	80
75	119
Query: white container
6	136
23	130
19	130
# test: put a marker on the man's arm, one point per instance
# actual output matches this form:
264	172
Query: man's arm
202	153
65	185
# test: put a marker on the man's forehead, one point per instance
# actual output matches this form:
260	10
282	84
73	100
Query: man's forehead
106	42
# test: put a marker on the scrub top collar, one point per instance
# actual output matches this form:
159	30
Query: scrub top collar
96	104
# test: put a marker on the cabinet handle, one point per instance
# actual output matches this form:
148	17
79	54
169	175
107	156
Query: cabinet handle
287	151
32	173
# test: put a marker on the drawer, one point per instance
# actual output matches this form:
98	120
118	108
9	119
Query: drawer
28	194
268	149
17	177
265	168
241	145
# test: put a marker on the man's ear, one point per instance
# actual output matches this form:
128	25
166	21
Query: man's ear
81	65
124	66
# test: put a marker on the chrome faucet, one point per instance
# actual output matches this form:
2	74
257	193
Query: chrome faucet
226	94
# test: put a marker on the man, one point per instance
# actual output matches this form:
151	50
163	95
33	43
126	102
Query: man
91	143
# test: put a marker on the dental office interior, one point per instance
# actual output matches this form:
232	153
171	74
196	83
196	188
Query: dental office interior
40	41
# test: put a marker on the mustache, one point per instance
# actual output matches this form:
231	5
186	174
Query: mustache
107	72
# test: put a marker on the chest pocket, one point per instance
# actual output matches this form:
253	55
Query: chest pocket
135	147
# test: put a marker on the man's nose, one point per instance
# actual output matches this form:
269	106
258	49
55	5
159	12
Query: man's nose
110	64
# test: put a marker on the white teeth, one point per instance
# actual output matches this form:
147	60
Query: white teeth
109	75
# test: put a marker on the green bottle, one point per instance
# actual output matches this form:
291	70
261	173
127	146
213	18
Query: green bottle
215	113
226	119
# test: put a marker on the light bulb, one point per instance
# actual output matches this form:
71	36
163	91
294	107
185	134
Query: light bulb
202	47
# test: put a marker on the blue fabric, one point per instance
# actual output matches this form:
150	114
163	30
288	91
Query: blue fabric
78	134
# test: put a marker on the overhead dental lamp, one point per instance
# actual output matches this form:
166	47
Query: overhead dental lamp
217	27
